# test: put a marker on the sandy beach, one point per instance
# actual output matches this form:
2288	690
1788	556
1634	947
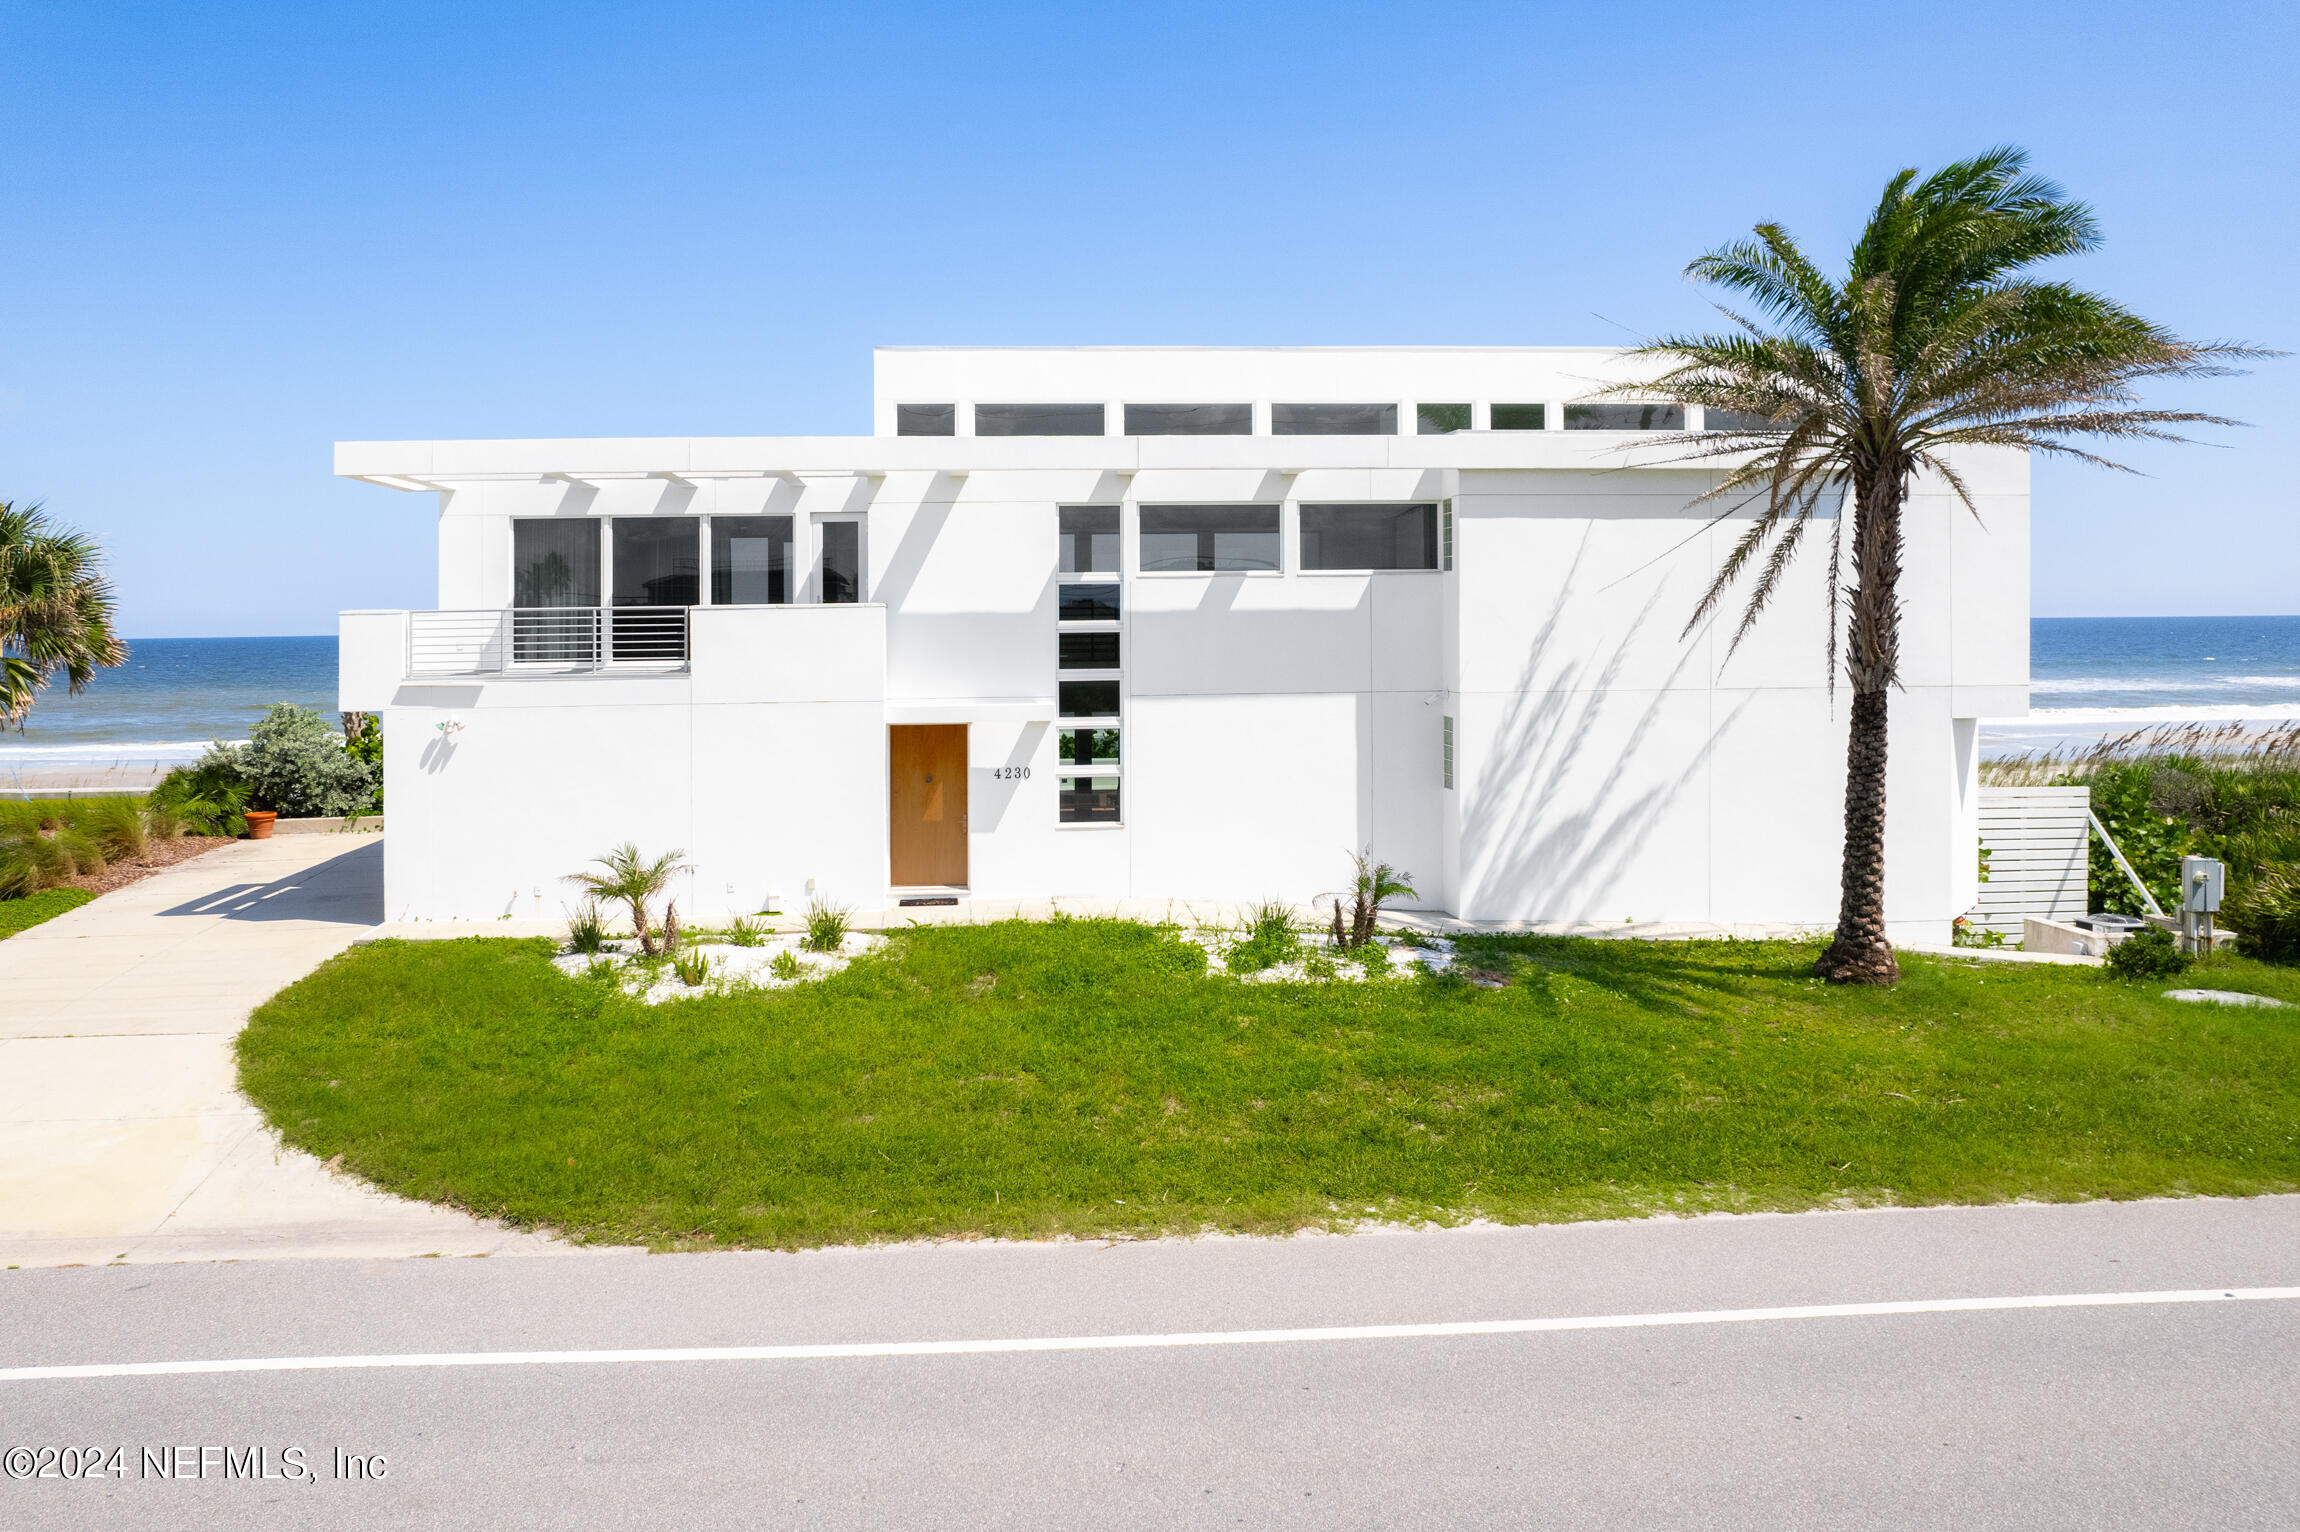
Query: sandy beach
82	778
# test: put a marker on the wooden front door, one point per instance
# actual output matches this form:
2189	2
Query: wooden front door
927	771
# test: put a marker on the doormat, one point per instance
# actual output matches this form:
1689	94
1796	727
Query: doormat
913	903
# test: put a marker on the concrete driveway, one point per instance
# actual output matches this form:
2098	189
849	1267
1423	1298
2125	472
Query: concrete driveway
122	1131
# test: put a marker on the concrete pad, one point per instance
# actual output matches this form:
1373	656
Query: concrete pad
122	1127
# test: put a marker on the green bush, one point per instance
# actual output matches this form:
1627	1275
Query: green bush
296	766
2152	840
210	796
2267	914
1271	937
2148	953
586	931
826	926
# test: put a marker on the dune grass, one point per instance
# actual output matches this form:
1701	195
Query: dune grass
1090	1077
25	913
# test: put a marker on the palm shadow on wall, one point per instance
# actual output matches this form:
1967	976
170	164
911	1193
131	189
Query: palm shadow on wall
1560	862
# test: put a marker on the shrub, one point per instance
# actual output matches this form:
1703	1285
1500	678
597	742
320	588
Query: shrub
1270	937
1374	958
209	796
586	930
744	932
826	926
2267	914
363	742
116	825
2148	953
295	765
692	967
786	965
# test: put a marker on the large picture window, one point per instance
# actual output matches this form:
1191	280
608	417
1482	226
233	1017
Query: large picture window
658	560
1369	536
750	560
1209	537
554	562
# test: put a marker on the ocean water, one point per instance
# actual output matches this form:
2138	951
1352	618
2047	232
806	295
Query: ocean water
170	699
2090	676
2096	676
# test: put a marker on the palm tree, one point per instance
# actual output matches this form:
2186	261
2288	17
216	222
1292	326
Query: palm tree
55	609
633	881
1844	391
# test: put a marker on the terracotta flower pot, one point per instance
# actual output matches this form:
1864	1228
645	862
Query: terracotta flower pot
259	823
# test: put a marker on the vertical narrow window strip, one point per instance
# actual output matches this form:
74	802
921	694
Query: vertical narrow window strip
1446	548
1449	752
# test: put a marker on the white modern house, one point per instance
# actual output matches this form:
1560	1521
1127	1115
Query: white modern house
1123	623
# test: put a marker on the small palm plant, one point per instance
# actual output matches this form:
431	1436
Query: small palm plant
1374	884
633	881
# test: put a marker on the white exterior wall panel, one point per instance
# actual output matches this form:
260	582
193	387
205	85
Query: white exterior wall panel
1608	765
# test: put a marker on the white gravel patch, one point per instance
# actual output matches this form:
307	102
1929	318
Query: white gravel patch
1345	968
730	968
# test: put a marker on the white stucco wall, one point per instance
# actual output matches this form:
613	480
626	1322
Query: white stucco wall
1608	765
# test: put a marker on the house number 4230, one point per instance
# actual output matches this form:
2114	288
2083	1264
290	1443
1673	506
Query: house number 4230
1011	773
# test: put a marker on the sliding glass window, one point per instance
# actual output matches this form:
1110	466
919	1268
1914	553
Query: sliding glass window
1519	417
658	560
1441	419
1369	536
1209	537
555	588
554	562
750	560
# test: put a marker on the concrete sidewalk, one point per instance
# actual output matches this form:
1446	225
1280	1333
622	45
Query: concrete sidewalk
123	1135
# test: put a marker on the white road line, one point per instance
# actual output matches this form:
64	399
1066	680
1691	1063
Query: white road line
1145	1342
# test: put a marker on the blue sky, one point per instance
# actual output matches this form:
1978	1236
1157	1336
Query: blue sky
239	233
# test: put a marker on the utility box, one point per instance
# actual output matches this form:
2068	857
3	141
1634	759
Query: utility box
2202	882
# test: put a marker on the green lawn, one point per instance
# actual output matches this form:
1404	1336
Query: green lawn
23	914
1089	1077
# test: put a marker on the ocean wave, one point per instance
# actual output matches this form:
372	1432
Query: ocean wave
2081	684
128	750
2168	712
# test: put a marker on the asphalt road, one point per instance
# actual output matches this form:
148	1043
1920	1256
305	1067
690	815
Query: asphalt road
2144	1415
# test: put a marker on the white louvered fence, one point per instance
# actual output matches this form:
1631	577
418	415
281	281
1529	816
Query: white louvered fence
2038	840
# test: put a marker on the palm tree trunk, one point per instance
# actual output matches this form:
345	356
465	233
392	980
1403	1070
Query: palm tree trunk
1860	954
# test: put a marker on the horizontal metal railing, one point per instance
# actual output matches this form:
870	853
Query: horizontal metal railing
545	639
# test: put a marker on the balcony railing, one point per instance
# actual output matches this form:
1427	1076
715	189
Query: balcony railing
546	640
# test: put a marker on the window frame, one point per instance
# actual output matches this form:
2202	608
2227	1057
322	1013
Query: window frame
1301	531
1277	530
